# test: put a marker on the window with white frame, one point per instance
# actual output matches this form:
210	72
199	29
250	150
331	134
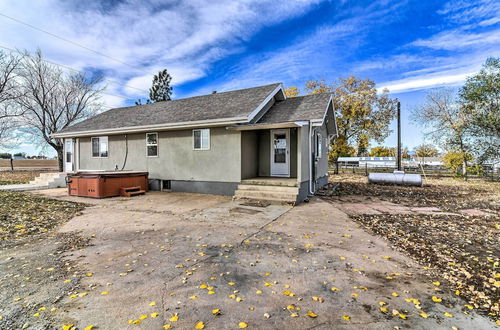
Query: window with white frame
201	139
152	144
100	147
319	145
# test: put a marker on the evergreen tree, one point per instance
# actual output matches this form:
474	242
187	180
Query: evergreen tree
161	89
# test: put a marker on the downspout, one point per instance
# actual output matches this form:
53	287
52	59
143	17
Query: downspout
311	191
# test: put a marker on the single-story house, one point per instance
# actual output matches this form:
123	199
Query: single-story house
253	143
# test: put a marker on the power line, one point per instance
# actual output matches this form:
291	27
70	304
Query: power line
69	41
73	69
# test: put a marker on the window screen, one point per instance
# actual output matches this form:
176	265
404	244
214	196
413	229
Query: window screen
201	139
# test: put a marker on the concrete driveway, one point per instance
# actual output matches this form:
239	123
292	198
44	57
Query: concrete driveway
170	259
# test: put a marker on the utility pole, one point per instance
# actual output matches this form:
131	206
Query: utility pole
398	159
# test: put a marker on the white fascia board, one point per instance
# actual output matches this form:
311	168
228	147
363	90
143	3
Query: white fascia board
254	113
158	127
265	126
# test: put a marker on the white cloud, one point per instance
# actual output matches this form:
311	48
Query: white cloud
425	82
186	37
459	39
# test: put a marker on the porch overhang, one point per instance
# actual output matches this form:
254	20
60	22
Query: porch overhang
251	127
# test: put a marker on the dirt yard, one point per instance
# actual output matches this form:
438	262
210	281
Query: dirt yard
184	261
450	226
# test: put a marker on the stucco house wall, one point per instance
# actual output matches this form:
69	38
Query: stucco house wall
176	157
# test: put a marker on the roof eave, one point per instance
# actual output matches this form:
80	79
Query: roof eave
251	127
158	127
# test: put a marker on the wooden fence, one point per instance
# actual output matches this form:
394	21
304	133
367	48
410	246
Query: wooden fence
29	164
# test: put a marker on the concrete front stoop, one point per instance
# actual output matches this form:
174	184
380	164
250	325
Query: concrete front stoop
283	190
43	181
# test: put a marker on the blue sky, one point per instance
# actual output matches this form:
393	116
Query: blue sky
408	47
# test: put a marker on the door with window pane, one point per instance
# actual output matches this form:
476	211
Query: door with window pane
68	155
280	152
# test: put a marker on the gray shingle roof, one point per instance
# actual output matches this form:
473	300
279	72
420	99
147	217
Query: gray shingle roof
238	103
309	107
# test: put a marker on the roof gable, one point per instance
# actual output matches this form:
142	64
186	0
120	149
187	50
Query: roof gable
300	108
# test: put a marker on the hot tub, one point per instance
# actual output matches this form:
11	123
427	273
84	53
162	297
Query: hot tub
105	184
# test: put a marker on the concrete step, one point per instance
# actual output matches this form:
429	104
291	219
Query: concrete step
286	182
265	195
50	180
256	187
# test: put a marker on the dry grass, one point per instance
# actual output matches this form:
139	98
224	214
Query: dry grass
24	214
7	177
462	247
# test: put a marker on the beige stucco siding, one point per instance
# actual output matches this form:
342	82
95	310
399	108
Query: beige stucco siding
322	162
302	153
176	159
249	154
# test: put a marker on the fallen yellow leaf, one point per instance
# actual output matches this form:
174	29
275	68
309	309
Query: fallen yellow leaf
154	315
199	325
89	274
174	318
311	314
346	317
448	314
167	326
142	317
258	291
394	294
242	325
216	311
105	293
90	327
153	303
68	327
436	299
424	315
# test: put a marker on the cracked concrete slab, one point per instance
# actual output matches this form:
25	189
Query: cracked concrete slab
190	254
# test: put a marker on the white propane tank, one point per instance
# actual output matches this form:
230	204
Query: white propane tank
397	178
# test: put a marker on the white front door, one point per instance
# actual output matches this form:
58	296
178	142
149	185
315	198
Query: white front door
68	155
280	152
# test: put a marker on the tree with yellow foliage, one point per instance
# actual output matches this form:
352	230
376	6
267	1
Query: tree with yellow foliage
362	114
292	91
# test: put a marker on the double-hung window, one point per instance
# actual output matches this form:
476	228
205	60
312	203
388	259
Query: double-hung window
152	144
100	147
201	139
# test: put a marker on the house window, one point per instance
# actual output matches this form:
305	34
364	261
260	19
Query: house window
319	146
201	139
152	144
100	147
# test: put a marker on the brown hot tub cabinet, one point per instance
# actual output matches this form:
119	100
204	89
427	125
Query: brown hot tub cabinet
106	184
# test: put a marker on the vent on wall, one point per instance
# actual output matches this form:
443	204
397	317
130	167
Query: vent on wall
166	185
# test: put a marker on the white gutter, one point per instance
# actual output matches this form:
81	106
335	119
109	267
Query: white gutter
158	127
250	127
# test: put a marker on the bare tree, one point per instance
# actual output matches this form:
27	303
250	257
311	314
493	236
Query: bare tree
52	100
447	121
9	112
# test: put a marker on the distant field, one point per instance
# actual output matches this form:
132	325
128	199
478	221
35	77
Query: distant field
29	164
